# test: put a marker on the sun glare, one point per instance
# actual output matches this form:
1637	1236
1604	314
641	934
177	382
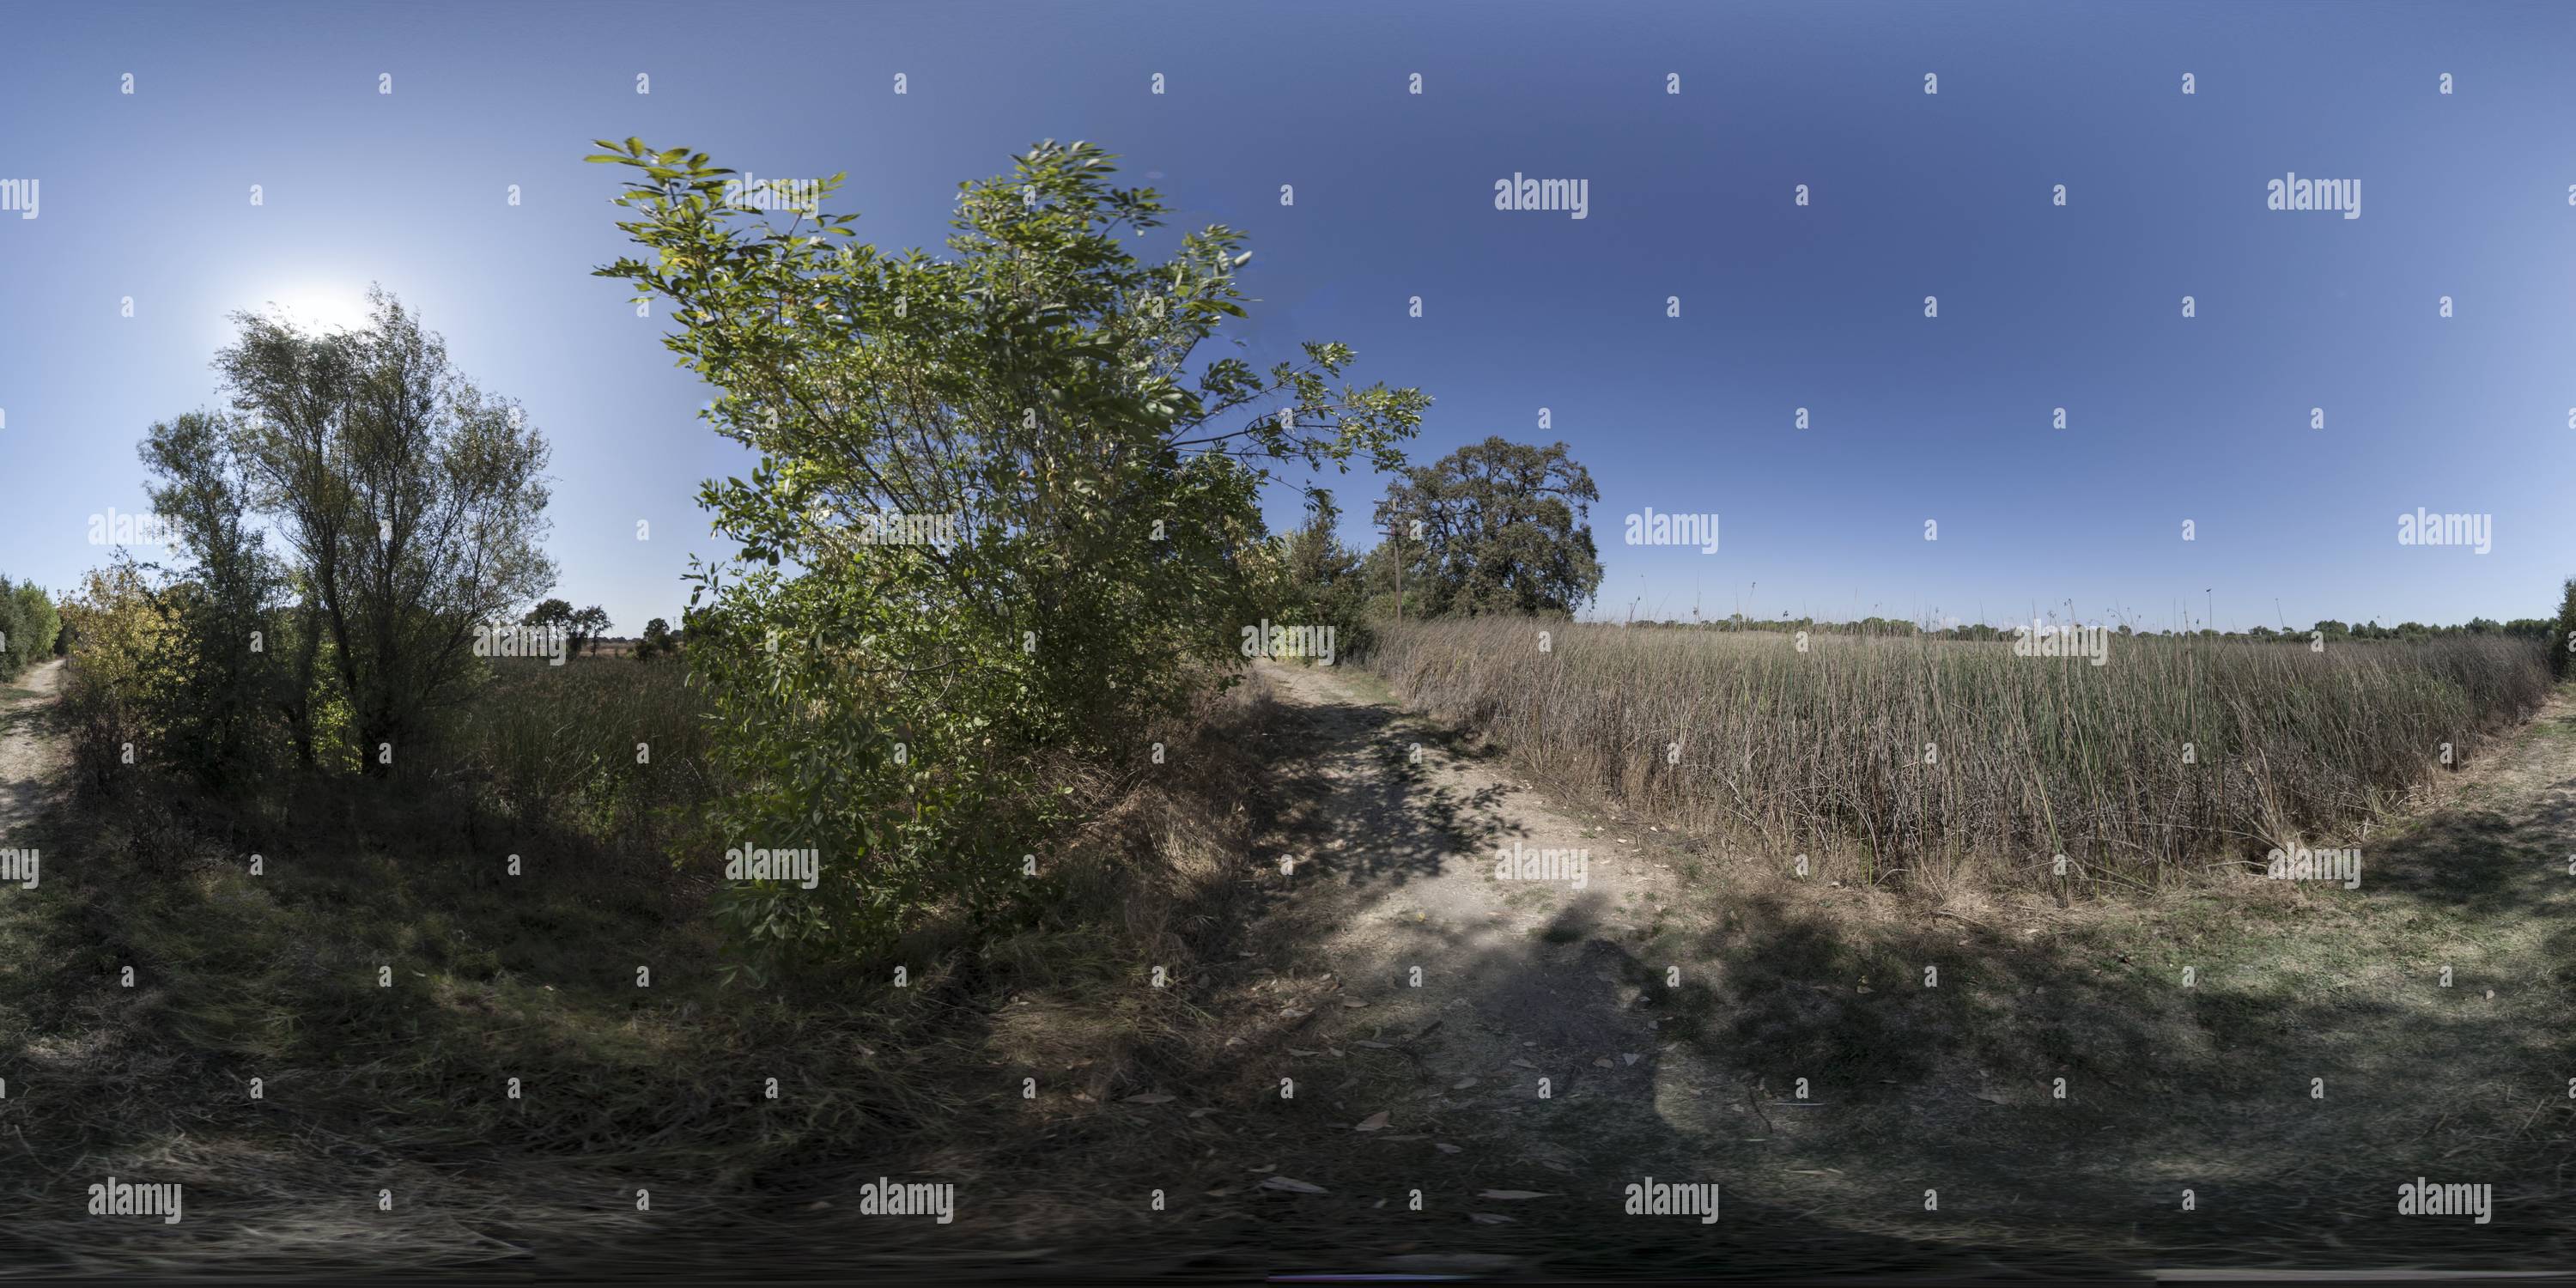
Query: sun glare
322	308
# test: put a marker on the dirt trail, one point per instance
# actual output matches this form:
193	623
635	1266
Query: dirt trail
28	760
2316	1058
1406	835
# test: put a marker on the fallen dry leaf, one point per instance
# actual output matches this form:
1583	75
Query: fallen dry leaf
1149	1098
1290	1185
1374	1122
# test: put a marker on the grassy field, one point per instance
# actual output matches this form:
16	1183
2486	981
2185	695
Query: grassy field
1941	764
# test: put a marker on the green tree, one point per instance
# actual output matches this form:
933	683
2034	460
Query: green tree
1502	527
222	683
412	502
554	614
655	641
587	626
1315	579
30	628
1003	504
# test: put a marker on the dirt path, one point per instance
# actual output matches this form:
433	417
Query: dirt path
32	945
28	760
1657	1017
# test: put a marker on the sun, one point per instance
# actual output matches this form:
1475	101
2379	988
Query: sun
323	308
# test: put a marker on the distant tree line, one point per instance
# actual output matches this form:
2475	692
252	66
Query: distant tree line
2531	628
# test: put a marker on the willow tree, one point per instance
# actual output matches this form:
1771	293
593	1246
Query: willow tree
411	504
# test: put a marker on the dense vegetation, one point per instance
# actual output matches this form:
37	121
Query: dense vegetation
1006	518
1935	761
410	507
30	628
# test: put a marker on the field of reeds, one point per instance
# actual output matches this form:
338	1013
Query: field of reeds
609	747
1932	762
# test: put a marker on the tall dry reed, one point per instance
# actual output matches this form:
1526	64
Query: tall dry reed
1934	761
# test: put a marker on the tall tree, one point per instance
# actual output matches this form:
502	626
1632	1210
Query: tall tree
587	626
413	501
1499	527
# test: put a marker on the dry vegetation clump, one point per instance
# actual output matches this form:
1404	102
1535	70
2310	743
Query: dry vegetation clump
1953	764
386	982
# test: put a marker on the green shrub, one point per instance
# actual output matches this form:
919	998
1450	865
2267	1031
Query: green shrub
1001	515
30	628
2562	643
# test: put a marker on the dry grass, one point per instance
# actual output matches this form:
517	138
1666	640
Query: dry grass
1951	765
405	1088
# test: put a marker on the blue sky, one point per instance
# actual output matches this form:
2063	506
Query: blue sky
1950	195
